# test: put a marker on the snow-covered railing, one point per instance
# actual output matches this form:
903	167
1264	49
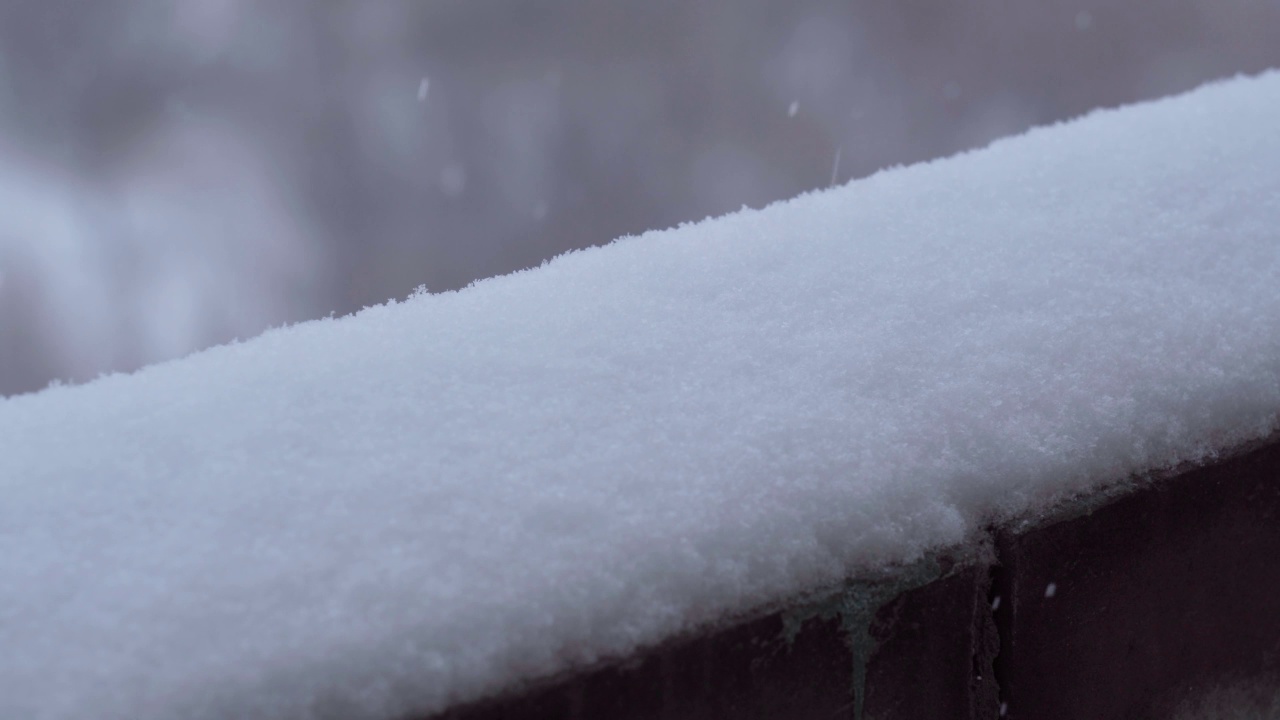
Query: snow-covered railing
435	501
1157	600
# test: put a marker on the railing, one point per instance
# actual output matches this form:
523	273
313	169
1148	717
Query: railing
1114	607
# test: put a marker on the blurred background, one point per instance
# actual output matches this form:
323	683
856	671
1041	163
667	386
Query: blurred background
178	173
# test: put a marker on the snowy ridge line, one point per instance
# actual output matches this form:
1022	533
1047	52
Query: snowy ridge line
1108	491
420	505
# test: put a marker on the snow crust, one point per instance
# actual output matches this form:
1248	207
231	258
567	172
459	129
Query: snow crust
391	512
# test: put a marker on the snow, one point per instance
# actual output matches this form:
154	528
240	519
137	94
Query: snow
387	513
1255	698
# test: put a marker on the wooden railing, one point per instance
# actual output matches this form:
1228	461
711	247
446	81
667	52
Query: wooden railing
1117	606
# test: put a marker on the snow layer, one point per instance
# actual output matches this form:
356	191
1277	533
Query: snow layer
421	503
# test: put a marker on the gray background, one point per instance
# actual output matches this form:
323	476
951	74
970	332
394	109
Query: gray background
178	173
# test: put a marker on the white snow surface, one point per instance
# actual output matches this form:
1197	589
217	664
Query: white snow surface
427	501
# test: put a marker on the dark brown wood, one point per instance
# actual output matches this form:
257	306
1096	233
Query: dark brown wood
1162	593
751	670
934	648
